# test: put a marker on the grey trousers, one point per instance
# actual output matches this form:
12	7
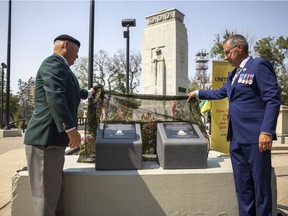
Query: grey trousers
45	168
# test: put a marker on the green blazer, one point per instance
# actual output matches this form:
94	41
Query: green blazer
57	97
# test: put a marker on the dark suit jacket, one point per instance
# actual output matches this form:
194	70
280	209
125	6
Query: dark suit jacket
57	97
253	105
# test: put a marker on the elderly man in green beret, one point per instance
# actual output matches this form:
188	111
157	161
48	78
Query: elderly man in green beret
53	125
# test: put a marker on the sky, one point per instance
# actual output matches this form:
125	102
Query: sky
35	24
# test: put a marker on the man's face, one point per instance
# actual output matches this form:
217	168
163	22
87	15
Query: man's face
72	53
232	53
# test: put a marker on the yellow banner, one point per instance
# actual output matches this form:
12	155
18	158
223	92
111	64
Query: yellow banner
219	111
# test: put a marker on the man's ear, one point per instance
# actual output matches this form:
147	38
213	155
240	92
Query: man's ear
65	44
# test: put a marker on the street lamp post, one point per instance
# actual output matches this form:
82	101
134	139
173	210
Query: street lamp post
91	44
3	65
127	23
8	67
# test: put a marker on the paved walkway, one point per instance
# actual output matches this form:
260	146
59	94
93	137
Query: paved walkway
12	158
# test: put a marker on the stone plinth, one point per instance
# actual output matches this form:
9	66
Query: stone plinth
118	147
282	126
181	145
10	133
150	191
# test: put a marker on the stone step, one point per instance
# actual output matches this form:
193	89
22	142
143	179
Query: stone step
10	133
280	148
277	146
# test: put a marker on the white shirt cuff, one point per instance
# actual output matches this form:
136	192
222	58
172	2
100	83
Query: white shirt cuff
197	93
70	129
89	93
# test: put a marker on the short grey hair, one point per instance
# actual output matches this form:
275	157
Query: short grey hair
238	40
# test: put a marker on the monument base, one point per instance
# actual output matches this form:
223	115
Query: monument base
181	145
118	147
10	133
149	191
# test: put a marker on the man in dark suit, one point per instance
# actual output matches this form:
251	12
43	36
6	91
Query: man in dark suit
53	125
254	104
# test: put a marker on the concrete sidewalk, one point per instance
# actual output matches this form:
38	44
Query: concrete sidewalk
12	158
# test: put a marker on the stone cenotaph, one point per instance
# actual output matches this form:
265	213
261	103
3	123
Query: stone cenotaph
165	54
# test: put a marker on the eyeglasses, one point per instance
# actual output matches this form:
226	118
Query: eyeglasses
227	52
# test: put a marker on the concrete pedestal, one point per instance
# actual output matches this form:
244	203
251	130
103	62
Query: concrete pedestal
282	127
10	133
181	145
151	191
118	146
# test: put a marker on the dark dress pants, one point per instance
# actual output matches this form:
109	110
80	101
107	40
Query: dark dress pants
252	175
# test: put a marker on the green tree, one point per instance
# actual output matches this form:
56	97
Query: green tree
217	49
275	50
25	108
14	106
117	74
135	71
110	72
267	48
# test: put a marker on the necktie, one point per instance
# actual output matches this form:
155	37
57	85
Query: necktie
236	74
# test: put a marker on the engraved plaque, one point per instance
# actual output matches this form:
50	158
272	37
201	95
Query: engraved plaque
181	130
119	131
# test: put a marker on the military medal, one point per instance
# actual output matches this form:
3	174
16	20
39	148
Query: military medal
240	78
244	77
251	79
247	79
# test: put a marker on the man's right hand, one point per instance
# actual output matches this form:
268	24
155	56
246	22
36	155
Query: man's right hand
74	138
191	94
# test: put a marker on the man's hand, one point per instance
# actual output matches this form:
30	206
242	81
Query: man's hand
190	95
92	91
74	138
97	88
265	142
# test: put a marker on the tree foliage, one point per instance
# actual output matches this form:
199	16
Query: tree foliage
275	50
13	107
13	104
267	48
110	72
25	108
217	49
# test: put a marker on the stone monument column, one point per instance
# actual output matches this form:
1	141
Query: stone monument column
165	54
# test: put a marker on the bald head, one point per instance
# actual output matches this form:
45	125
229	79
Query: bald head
67	49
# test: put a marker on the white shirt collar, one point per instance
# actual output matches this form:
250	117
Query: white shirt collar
244	62
63	58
